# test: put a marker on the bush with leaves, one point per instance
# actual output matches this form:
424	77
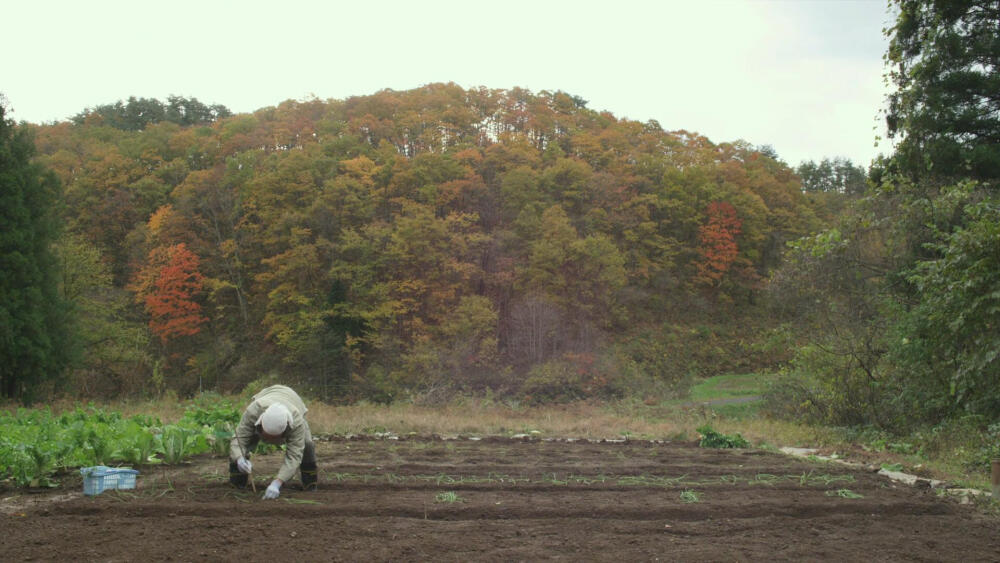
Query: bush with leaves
953	336
710	438
573	377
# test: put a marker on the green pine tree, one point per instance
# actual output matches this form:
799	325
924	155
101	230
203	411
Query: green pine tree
944	113
33	337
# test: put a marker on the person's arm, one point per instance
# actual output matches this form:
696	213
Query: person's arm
244	433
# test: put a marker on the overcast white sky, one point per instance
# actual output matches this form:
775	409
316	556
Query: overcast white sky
804	76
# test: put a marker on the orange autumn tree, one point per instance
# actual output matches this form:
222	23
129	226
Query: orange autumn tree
168	286
717	243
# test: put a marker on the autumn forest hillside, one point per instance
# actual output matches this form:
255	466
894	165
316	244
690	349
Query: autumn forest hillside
416	242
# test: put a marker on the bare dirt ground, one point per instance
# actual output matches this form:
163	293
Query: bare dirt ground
505	500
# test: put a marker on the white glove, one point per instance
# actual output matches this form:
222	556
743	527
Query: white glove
244	465
273	490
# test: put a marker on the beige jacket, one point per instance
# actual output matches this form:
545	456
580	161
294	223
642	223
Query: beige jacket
295	436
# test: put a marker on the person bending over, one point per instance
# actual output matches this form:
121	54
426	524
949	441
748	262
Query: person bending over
277	416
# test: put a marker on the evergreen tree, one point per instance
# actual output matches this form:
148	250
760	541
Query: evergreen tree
138	113
943	59
838	175
33	338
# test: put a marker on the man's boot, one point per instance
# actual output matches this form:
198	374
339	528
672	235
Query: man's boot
237	478
308	467
310	475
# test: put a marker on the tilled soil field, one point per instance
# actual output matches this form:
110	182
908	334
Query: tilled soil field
505	500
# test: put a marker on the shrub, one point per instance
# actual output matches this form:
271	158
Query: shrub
712	439
571	378
791	397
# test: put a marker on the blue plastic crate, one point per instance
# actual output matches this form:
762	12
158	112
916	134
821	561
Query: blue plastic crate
100	478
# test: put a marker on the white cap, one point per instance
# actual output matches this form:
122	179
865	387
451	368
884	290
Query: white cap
275	419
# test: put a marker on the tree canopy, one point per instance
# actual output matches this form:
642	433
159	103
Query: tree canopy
417	239
34	343
136	113
943	60
837	175
908	332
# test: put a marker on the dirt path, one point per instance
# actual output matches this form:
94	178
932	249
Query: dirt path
504	500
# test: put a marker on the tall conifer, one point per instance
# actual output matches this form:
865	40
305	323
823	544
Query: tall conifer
33	335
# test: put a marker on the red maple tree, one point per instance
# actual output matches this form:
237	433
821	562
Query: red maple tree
171	305
717	242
